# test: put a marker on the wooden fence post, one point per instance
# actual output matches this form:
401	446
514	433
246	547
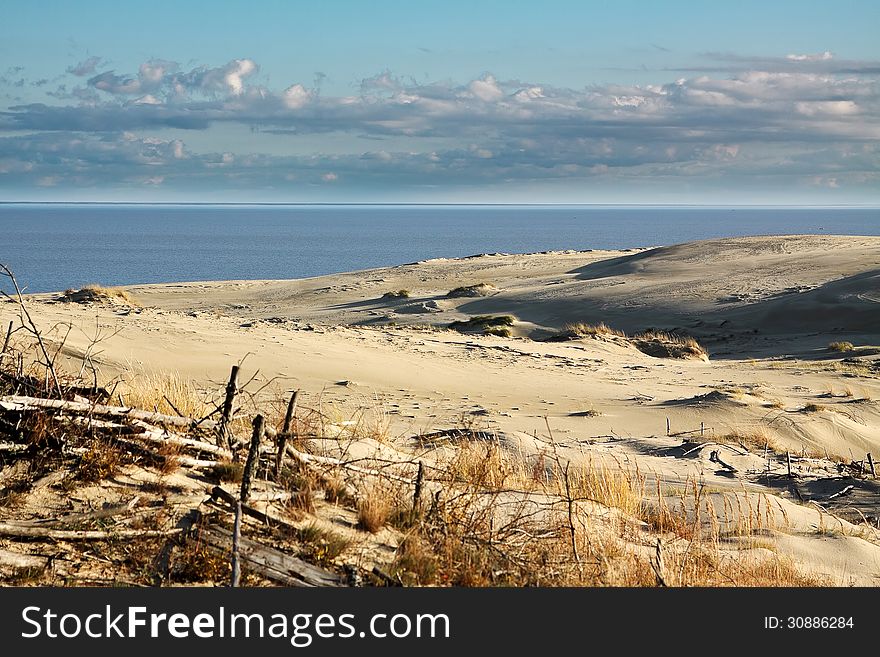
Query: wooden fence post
417	494
231	389
285	433
236	539
871	465
253	457
6	341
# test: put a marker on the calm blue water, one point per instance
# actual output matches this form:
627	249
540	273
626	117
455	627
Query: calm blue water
52	247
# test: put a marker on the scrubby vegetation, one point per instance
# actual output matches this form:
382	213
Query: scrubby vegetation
660	344
99	294
841	346
474	513
397	294
485	324
478	290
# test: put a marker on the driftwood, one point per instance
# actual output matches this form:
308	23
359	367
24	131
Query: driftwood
223	432
268	562
15	531
313	459
841	493
253	457
22	403
236	546
715	458
281	440
21	561
72	518
219	493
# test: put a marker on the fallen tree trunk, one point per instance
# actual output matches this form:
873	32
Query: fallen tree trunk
22	403
14	531
269	562
313	459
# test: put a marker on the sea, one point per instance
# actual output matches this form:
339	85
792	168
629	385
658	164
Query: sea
57	246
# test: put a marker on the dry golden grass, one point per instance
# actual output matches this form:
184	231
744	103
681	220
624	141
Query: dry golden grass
758	438
397	294
669	345
374	509
101	460
841	346
478	290
164	392
94	293
584	330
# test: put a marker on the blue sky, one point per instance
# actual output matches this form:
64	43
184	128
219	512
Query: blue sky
595	102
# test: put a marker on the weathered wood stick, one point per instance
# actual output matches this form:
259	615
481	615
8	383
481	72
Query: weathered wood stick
417	493
107	512
180	459
16	560
281	441
788	461
253	457
22	403
269	562
236	540
6	341
226	416
313	459
13	531
841	493
871	465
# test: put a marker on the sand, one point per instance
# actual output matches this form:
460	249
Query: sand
765	308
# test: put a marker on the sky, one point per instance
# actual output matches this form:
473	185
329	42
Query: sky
617	101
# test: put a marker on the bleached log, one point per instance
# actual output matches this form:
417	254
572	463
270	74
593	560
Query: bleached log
21	561
23	403
13	531
313	459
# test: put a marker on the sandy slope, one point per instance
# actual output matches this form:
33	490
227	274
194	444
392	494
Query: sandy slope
765	307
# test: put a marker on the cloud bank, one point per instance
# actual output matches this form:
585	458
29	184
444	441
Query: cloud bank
807	120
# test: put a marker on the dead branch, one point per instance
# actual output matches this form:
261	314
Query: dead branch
32	327
13	531
21	403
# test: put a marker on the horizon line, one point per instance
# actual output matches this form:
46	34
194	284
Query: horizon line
444	204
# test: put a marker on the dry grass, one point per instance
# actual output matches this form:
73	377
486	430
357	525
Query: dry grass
321	545
101	461
164	392
669	345
95	293
478	290
374	509
659	344
397	294
842	346
228	471
584	330
752	439
486	324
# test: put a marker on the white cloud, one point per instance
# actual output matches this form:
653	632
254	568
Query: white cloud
486	89
296	96
817	57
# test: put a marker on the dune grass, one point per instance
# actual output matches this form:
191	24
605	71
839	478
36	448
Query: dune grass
842	346
485	324
477	290
94	293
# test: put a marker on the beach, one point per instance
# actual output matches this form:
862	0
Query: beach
578	352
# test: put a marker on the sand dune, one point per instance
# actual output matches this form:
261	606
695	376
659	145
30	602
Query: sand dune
765	307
